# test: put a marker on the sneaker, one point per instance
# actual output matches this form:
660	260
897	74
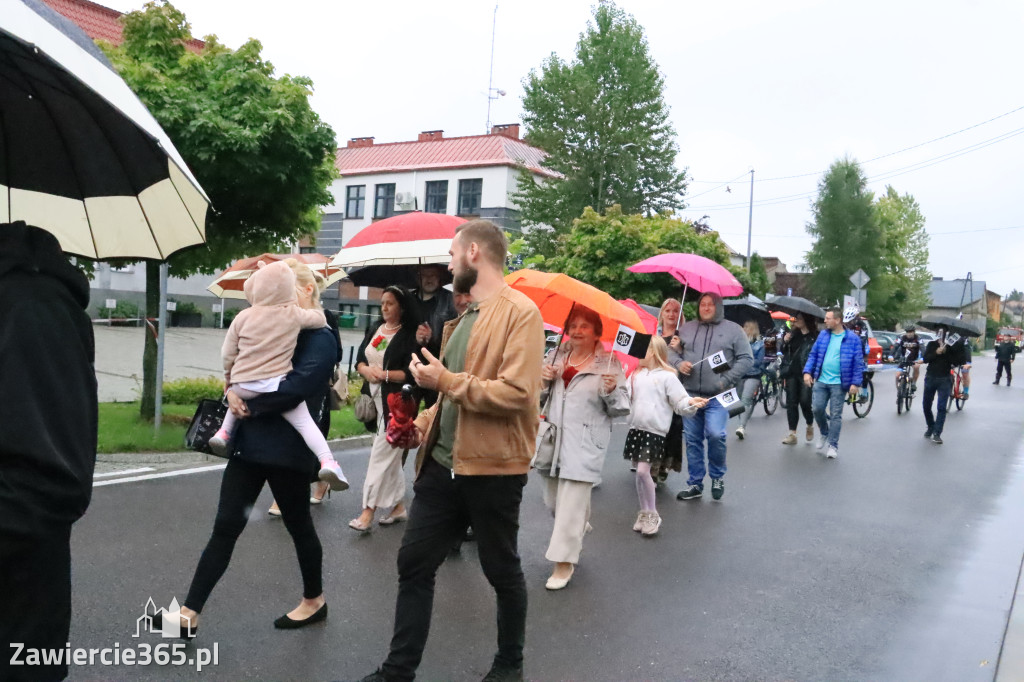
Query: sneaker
928	433
376	676
832	452
740	433
651	524
822	443
810	433
219	444
641	518
694	492
332	474
790	439
913	389
717	488
964	392
937	439
503	673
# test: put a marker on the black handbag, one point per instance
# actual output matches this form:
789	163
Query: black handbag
205	422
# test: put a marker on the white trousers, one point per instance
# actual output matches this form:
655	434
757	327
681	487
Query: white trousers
385	480
570	503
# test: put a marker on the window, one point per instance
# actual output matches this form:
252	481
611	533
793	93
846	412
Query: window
469	196
437	196
384	205
355	198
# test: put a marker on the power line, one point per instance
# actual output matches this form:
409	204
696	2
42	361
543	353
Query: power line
877	158
930	234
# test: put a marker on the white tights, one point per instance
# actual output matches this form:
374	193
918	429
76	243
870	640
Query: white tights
645	486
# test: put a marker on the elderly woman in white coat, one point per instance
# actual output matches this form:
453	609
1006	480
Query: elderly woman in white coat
587	389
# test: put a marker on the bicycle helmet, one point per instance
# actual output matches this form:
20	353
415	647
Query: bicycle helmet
910	328
849	315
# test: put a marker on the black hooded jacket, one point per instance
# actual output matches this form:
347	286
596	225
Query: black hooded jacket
48	410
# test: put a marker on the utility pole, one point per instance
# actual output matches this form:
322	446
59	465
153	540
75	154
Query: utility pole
750	218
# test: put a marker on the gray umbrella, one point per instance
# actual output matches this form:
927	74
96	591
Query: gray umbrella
796	305
739	310
933	322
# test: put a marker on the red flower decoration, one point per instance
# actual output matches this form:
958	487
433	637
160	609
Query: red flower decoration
376	341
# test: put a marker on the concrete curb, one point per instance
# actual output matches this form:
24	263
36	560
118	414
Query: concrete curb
190	457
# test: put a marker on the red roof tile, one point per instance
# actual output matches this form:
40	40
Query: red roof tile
455	152
99	22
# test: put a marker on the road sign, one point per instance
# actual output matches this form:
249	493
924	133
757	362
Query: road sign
859	279
861	296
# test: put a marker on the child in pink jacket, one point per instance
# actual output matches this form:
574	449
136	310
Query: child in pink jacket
258	354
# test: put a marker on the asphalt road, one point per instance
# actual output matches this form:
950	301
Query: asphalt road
897	561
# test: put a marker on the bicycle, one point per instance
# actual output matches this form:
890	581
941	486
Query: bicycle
768	394
783	397
956	395
904	388
866	398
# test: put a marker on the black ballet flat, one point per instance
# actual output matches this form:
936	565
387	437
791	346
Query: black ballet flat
286	623
187	633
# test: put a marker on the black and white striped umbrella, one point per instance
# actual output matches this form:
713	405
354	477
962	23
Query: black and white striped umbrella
80	155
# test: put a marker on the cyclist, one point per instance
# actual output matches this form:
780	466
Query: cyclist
855	323
908	353
965	369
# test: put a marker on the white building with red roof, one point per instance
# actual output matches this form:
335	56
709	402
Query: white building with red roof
472	176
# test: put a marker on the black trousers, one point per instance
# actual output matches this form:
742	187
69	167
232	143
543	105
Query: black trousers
442	508
936	387
239	489
798	399
35	600
1000	366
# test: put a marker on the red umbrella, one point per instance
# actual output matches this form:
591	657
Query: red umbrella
650	321
388	251
703	274
230	283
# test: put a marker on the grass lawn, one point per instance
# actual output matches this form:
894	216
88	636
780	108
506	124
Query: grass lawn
122	430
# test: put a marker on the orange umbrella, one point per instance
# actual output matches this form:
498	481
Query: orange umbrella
555	294
230	282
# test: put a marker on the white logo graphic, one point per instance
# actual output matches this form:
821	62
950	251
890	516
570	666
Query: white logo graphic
167	621
728	398
717	359
623	339
952	339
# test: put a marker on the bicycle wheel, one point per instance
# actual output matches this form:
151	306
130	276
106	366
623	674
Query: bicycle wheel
908	397
782	393
901	389
961	400
770	397
865	400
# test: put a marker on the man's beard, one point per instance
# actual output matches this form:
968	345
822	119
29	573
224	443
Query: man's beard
465	280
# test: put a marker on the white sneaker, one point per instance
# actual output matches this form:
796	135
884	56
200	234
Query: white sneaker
740	433
651	524
822	443
332	474
832	452
641	518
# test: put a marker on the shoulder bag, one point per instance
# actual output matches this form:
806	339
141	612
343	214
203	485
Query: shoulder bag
547	437
205	422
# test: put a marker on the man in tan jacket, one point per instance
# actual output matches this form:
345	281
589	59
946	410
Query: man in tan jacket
477	443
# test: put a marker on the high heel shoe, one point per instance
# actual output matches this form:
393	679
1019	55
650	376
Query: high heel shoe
313	499
286	623
187	632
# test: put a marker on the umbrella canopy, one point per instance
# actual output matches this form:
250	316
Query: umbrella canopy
231	282
555	295
933	322
388	251
650	320
697	272
794	305
80	155
780	315
750	308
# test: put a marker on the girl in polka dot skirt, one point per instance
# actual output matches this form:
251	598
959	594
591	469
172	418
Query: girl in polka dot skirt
655	393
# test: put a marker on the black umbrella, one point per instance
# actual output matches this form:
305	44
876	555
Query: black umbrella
933	322
80	155
740	310
385	275
796	305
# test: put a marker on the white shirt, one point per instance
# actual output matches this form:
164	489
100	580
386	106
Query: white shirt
655	395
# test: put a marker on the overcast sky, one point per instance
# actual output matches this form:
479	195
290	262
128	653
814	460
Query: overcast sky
782	87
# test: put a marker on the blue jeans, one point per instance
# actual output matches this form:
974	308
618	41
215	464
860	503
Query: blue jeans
942	386
707	424
834	397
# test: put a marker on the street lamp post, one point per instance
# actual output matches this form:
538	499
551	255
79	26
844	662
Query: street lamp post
750	218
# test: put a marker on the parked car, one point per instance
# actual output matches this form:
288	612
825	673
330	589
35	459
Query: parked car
887	341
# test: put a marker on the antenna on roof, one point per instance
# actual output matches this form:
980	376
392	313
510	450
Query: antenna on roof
493	93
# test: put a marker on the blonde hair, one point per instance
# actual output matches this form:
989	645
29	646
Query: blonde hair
661	313
304	276
752	329
658	352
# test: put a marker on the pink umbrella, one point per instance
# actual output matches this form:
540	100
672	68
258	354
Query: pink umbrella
703	274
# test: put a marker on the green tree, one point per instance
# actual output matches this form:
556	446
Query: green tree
252	140
603	121
846	233
599	248
900	291
758	283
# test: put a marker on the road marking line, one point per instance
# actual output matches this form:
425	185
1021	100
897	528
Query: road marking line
165	474
124	472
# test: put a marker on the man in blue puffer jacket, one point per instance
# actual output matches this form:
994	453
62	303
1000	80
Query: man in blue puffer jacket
834	368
